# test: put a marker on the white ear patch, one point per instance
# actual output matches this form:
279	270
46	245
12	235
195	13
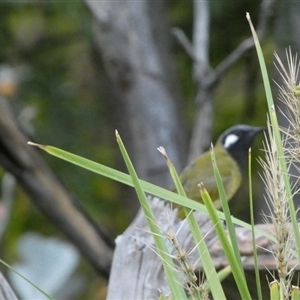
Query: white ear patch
230	140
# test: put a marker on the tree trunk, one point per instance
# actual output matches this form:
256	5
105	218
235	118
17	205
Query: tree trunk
138	65
49	195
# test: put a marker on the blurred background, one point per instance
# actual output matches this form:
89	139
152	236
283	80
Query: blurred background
58	76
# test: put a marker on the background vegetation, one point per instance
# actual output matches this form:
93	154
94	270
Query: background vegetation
52	73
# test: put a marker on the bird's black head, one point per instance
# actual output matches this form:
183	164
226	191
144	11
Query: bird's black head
237	140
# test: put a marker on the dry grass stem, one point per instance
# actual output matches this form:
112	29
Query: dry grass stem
278	211
276	196
289	94
195	290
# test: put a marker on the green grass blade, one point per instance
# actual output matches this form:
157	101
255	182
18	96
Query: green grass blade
214	282
278	141
175	178
126	179
256	269
237	271
274	290
119	176
225	207
27	280
224	273
295	294
169	267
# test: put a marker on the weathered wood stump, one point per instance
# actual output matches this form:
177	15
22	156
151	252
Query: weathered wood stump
137	272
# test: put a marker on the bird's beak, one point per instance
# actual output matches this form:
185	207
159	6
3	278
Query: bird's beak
257	131
260	129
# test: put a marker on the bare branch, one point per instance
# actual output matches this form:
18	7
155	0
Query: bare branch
184	42
205	77
49	195
201	30
196	53
264	16
139	73
8	183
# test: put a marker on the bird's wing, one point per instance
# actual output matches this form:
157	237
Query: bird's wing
201	170
231	175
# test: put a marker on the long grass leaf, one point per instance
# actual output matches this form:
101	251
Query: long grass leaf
214	281
126	179
119	176
226	211
169	267
237	271
275	128
256	269
26	279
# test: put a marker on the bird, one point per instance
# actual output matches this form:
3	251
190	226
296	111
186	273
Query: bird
231	152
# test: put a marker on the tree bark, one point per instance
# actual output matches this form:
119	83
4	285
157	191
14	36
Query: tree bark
138	65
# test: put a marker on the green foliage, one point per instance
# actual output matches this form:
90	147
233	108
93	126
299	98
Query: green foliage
54	43
169	266
141	186
54	40
229	246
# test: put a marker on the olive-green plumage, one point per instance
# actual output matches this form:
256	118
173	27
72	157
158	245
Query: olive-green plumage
231	150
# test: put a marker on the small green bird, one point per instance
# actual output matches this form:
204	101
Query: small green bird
231	151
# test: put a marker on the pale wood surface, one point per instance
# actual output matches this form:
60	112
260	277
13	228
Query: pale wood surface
137	272
6	293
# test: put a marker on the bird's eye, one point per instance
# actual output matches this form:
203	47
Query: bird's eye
230	140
